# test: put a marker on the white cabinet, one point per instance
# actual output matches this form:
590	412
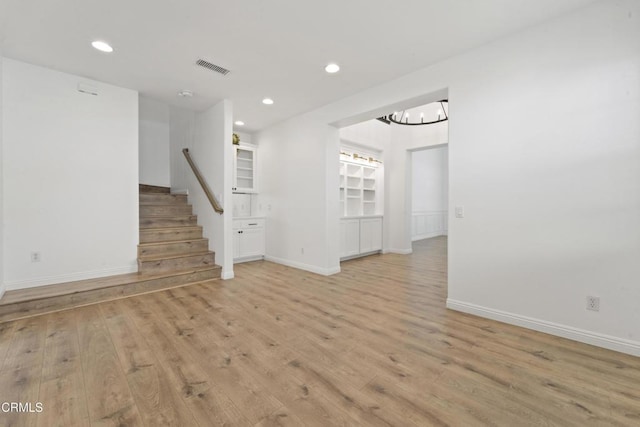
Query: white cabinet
349	237
370	234
360	236
244	169
248	239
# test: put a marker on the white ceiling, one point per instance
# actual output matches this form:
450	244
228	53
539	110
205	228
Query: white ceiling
274	48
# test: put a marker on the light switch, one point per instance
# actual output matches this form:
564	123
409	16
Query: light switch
459	211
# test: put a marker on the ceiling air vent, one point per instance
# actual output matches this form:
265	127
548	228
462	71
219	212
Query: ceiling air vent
213	67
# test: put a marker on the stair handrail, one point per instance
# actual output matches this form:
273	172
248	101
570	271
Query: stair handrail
203	183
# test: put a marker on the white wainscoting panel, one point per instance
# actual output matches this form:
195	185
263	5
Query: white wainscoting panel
426	224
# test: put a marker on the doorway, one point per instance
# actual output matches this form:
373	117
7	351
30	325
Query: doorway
429	192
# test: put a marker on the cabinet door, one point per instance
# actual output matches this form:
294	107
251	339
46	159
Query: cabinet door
236	243
244	170
370	235
349	237
251	242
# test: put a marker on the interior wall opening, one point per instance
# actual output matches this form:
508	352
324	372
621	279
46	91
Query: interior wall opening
388	187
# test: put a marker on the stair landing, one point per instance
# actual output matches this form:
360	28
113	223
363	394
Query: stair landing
29	302
172	253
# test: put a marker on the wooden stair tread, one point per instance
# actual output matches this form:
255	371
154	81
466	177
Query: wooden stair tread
153	189
168	217
49	291
161	199
174	228
189	220
168	206
167	202
161	250
164	205
30	308
165	257
169	242
160	234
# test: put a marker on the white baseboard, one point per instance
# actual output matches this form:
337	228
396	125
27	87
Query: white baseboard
302	266
427	236
71	277
156	184
398	251
227	275
248	259
1	291
364	254
581	335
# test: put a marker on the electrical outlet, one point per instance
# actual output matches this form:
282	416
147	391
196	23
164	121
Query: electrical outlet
302	251
593	303
35	256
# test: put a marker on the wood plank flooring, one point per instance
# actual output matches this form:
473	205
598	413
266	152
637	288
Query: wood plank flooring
373	345
23	303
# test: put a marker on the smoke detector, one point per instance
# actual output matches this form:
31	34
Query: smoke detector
185	93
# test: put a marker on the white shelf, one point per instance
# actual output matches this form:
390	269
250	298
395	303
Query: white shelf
358	190
244	170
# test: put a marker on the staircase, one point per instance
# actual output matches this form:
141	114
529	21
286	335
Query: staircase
170	237
171	253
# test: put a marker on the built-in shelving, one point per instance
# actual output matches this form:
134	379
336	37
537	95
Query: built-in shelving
244	179
358	185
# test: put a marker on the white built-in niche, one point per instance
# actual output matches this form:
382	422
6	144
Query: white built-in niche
361	181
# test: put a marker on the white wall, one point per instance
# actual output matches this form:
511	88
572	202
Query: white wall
550	178
2	287
544	154
182	125
245	137
430	170
430	189
70	177
299	189
370	133
154	161
208	137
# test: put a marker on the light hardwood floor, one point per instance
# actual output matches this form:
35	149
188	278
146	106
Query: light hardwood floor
373	345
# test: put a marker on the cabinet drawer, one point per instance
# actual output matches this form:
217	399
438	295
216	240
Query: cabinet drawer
248	223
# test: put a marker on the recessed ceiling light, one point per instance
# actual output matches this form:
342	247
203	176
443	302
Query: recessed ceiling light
102	46
185	93
332	68
267	101
239	123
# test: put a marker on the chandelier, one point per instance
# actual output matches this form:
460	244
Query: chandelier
404	118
